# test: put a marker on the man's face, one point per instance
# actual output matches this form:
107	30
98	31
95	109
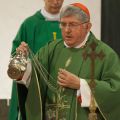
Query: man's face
53	6
73	30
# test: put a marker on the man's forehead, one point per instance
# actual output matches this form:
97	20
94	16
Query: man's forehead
69	18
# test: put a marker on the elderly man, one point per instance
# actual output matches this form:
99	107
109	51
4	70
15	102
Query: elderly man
77	78
36	31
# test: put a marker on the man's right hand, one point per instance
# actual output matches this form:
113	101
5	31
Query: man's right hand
23	47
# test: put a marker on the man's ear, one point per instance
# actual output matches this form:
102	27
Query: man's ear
89	25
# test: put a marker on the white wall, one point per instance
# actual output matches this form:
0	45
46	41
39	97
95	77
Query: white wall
12	13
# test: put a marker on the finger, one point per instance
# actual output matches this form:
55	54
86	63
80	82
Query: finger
66	72
62	71
19	49
61	75
62	84
62	80
24	44
22	49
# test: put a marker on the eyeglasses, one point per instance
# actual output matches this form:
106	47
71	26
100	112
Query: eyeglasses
72	25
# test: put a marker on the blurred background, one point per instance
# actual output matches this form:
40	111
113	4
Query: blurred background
105	18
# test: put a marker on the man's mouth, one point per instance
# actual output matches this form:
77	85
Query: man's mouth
68	37
56	7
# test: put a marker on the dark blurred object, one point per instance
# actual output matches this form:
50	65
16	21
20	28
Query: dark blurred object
110	29
4	109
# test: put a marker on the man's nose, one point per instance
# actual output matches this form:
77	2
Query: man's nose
67	29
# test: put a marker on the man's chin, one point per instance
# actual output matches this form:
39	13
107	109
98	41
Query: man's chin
69	44
55	10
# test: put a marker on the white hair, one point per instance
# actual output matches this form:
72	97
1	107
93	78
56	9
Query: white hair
71	10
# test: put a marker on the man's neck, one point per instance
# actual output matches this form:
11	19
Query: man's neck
50	17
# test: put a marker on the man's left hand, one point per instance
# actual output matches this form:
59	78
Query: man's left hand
67	79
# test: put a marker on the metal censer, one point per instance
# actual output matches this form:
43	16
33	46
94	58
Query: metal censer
17	66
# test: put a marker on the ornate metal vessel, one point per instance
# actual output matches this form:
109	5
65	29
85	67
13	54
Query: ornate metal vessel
17	66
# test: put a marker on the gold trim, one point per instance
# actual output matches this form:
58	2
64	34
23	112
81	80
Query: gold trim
68	62
100	109
54	36
76	110
39	93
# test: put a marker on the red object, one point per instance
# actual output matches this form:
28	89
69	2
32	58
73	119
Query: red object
83	7
79	98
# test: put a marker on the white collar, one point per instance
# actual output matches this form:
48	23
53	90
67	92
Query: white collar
81	44
50	17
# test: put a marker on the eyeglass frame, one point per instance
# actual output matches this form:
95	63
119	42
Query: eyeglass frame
71	25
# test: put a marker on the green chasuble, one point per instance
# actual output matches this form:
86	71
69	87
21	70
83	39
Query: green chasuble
46	100
35	31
